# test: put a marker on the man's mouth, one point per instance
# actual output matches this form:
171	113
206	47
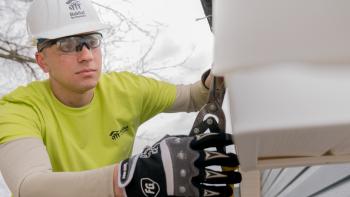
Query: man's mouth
86	71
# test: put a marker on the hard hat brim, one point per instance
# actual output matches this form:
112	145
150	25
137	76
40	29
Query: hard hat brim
72	30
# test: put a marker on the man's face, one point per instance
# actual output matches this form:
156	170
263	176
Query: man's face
76	71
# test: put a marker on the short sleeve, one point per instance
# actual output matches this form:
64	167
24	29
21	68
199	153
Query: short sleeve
18	120
157	97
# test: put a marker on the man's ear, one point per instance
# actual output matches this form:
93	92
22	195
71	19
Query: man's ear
40	60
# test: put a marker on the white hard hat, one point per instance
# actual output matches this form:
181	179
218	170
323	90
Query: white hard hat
50	19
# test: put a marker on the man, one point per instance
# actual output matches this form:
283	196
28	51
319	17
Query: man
64	136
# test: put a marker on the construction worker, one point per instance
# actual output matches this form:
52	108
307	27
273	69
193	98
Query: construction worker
72	135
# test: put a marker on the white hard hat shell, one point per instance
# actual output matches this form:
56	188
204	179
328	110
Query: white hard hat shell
52	19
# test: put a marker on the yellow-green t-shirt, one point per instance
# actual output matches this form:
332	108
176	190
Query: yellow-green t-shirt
92	136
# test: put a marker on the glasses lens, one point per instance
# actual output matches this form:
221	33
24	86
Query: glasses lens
76	43
93	40
68	44
44	44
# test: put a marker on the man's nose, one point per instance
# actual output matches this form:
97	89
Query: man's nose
85	54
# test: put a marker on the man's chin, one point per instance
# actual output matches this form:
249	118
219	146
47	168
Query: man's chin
87	87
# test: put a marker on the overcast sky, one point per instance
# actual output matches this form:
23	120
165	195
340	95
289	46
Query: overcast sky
182	34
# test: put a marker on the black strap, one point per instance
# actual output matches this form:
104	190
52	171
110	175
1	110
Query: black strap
207	7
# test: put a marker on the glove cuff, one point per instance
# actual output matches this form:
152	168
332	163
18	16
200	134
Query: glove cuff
142	175
126	171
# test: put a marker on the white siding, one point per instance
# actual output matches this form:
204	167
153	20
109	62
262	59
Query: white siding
328	180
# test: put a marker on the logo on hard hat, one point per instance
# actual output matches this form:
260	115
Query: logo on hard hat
75	9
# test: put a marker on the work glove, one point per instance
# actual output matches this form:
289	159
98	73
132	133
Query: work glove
177	166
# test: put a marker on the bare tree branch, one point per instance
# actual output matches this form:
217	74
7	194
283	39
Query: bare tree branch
13	37
11	51
124	18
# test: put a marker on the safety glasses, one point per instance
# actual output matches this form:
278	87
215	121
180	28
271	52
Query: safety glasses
73	43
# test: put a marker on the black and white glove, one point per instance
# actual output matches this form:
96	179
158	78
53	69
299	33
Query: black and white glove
177	166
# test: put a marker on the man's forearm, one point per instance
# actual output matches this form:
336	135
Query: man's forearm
118	192
189	98
27	172
192	97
